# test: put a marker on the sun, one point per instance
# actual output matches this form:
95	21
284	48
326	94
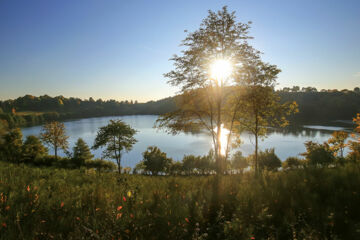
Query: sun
220	69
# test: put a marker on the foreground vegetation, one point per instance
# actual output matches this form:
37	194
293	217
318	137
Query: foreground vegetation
48	203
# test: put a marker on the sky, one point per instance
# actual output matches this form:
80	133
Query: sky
113	49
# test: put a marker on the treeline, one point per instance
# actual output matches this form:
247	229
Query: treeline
314	106
323	106
30	110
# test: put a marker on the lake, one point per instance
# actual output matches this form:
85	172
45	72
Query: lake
287	142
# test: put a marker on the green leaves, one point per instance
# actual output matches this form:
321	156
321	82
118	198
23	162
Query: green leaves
115	137
155	160
54	135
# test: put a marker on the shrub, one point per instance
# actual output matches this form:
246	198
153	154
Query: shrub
239	162
100	165
292	163
318	155
268	160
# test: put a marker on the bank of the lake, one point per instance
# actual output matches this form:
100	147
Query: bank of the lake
287	142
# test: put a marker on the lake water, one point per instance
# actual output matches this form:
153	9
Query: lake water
287	142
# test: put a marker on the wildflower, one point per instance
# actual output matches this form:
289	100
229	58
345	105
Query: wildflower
62	204
124	198
252	238
97	209
129	193
28	188
4	225
131	215
77	218
119	208
187	220
7	208
118	216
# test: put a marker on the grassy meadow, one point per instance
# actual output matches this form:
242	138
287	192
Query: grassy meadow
51	203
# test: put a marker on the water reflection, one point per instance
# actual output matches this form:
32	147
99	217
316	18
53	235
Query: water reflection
287	141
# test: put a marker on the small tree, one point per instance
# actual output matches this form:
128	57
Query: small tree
258	106
318	155
12	145
239	162
117	137
81	153
337	142
33	149
354	144
189	163
156	161
54	135
268	160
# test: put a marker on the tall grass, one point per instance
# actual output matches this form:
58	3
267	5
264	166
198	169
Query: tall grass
48	203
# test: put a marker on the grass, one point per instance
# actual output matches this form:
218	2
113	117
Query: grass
49	203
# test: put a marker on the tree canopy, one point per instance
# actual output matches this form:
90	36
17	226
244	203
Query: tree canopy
210	102
116	137
81	153
155	161
54	135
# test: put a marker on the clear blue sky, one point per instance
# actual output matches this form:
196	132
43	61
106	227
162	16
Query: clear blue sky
120	49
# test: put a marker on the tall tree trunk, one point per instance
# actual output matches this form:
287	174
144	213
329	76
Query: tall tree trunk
119	163
55	149
219	158
256	154
256	145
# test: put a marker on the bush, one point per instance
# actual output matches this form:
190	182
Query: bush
156	161
100	165
292	163
268	160
239	162
47	160
318	155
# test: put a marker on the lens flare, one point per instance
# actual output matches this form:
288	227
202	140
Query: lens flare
223	139
220	69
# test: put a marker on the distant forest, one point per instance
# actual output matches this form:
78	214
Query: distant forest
314	107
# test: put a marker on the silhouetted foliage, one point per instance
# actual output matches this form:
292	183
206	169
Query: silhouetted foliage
314	107
203	102
11	146
239	162
156	161
33	149
318	155
81	153
292	163
100	165
268	160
